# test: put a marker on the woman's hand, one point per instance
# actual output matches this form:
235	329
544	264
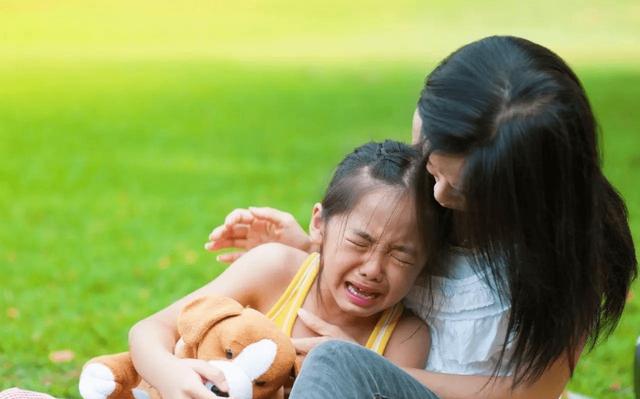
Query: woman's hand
248	228
327	332
185	379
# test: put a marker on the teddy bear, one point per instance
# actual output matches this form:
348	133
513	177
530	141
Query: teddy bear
254	355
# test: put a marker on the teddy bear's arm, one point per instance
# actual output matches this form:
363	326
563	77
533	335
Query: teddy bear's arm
109	377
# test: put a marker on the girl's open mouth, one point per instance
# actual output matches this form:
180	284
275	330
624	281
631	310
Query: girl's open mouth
360	296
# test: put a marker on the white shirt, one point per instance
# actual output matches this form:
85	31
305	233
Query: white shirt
468	320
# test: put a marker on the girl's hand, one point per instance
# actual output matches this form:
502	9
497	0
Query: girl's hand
185	379
248	228
327	332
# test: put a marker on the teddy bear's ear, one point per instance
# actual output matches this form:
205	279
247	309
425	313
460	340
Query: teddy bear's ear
199	315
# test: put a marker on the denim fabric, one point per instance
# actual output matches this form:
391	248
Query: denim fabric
342	370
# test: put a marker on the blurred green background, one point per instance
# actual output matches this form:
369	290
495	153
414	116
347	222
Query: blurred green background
128	129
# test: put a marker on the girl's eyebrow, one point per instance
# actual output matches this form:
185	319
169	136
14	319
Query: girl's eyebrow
363	234
396	247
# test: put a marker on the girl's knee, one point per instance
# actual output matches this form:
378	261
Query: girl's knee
336	352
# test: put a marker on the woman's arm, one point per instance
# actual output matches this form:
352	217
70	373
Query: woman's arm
152	340
449	386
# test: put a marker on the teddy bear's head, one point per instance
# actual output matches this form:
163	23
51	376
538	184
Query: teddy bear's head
255	356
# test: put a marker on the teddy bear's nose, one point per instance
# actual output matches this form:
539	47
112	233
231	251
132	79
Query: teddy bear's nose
216	391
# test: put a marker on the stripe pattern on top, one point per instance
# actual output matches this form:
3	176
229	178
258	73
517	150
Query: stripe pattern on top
285	311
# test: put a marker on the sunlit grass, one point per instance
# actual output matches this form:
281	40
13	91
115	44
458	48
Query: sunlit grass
128	130
114	174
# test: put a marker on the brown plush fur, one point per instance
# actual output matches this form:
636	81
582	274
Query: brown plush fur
211	327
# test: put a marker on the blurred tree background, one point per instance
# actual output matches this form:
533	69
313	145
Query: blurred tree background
128	129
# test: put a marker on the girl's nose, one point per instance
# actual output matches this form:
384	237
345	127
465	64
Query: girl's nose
372	268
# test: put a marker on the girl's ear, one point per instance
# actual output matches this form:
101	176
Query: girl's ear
316	226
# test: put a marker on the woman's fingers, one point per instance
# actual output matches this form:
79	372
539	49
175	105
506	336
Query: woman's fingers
218	233
248	228
233	231
227	237
226	243
239	216
282	227
272	215
238	230
229	257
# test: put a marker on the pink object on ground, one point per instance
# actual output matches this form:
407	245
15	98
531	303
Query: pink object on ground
17	393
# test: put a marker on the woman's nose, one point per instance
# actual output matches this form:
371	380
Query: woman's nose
440	192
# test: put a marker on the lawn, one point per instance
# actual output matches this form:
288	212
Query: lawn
116	165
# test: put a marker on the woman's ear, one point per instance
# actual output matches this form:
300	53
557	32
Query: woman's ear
316	226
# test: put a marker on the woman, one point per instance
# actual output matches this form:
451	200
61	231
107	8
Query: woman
530	234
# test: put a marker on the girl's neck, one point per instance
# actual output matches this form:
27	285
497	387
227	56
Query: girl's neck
321	303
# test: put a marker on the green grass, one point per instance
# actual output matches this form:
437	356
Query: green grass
128	129
115	173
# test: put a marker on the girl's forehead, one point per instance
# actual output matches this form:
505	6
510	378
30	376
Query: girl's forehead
389	212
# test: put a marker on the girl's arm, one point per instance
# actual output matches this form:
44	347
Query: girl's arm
153	339
449	386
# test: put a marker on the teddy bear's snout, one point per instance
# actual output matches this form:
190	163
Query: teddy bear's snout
240	373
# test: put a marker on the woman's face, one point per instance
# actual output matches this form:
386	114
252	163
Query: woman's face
446	170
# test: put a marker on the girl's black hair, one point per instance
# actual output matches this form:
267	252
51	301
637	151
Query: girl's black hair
371	165
367	168
540	217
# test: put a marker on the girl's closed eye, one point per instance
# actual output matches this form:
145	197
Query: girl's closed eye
402	260
359	243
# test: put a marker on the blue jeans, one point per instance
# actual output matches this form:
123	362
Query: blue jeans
342	370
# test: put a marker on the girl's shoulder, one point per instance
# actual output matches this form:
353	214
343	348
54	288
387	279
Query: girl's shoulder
275	259
409	343
269	268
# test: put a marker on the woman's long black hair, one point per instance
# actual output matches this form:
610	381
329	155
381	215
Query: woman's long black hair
540	216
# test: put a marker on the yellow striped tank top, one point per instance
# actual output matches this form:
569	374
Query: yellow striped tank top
285	311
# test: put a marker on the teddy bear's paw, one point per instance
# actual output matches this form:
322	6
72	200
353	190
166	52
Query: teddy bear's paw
96	381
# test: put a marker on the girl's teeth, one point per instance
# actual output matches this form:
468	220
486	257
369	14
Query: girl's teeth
354	290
